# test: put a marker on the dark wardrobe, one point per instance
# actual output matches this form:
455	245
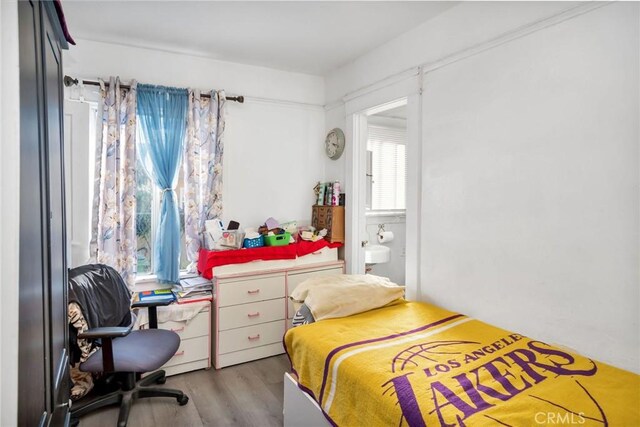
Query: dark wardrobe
43	377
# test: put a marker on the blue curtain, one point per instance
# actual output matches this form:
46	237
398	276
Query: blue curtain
162	117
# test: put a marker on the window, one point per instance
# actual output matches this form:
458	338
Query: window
145	206
386	168
148	199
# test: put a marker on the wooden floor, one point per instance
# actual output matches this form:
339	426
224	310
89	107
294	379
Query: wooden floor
244	395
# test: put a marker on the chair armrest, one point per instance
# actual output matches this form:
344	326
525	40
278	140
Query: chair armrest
152	306
106	335
106	332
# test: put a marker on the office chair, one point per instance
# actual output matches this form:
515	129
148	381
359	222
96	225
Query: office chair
105	301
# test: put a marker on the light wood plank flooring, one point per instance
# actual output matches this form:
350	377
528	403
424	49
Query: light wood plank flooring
244	395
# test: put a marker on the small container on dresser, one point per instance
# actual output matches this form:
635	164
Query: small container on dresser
331	218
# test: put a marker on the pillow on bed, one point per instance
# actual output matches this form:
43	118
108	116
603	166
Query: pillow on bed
344	295
302	317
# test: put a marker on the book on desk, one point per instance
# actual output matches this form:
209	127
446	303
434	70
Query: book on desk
157	295
193	289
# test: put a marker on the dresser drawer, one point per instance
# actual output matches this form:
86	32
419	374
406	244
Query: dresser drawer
250	290
196	327
250	336
186	367
294	279
190	350
237	316
255	353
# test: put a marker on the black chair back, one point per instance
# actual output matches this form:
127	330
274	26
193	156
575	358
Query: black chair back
102	295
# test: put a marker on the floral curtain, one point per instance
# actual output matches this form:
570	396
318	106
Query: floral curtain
203	154
113	239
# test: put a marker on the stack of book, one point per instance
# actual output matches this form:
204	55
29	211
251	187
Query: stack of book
159	295
193	289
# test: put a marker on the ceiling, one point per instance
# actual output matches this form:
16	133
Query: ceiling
304	36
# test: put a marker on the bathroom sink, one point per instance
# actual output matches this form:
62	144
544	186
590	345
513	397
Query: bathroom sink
376	254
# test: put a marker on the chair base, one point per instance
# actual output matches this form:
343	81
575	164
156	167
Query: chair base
127	394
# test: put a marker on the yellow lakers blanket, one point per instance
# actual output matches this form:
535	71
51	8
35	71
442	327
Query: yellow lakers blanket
419	365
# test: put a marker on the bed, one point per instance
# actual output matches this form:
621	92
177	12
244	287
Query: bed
415	364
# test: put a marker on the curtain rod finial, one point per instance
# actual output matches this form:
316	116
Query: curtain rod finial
69	81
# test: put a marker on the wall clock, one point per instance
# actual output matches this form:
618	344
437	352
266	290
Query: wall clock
334	143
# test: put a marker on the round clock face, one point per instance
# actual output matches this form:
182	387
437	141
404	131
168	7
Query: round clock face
334	143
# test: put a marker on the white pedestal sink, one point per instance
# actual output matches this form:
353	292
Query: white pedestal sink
376	254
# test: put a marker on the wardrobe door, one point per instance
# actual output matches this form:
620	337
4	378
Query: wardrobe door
32	350
43	377
57	289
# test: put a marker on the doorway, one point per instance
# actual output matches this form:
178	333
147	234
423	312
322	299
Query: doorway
385	201
390	103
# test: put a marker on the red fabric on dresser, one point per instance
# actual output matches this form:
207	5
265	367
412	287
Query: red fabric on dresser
207	260
304	247
210	259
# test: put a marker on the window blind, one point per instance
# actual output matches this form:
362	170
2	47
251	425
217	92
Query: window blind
388	167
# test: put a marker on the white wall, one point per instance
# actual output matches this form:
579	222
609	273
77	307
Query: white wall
9	209
273	160
274	142
91	59
530	167
453	30
530	185
78	179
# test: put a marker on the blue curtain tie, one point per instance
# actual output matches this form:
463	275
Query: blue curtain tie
167	189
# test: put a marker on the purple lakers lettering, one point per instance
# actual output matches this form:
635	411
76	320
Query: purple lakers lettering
457	396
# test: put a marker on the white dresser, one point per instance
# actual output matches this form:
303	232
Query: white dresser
251	307
195	339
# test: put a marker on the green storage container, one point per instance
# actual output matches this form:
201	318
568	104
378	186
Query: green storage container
278	239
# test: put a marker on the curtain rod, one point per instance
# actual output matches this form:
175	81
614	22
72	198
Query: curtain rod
70	81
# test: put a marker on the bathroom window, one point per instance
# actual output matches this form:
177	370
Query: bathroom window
386	168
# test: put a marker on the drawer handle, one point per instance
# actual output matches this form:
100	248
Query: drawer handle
255	291
253	338
180	353
177	329
256	314
316	252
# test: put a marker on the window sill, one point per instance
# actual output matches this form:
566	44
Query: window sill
145	282
397	213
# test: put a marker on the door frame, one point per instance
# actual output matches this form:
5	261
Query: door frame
357	107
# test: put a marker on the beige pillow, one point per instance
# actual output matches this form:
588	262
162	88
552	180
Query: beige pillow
344	295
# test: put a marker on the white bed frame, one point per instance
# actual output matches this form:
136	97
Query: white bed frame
299	409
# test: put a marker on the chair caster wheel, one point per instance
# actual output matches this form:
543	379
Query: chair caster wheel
161	380
183	400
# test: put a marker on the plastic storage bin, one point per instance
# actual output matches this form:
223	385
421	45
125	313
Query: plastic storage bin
278	239
256	242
